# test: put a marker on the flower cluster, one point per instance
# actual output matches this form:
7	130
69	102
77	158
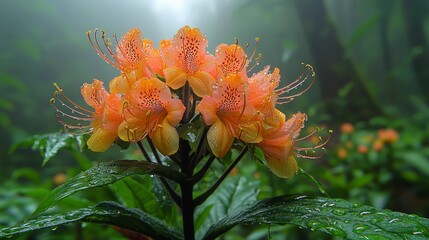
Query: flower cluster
161	88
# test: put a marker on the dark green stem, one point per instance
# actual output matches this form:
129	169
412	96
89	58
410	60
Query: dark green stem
173	194
200	199
145	154
186	187
186	91
200	174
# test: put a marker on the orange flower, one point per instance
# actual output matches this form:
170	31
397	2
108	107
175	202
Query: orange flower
152	111
278	146
261	92
378	145
104	120
106	116
231	59
342	153
186	60
362	149
135	58
229	115
388	135
347	128
264	93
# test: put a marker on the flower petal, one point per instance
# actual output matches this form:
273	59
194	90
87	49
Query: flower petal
284	168
175	77
175	110
132	129
201	83
208	108
219	138
165	138
101	140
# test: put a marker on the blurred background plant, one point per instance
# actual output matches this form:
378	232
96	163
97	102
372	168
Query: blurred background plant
371	61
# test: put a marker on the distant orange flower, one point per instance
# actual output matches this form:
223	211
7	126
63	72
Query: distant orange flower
229	115
186	60
59	179
378	145
388	135
347	128
363	149
342	153
151	110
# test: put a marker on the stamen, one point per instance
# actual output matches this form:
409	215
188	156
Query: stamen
295	84
65	107
99	50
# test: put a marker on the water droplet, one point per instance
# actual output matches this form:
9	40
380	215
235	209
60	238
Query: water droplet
394	220
54	228
300	197
364	213
314	225
339	212
358	228
336	231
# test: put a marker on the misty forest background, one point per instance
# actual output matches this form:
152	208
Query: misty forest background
371	59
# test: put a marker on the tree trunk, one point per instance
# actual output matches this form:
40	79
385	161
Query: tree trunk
414	14
333	69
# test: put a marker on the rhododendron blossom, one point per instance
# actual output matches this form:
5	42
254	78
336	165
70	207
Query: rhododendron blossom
181	85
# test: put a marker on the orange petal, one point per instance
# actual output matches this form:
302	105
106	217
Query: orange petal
219	138
175	110
165	138
101	140
175	77
284	168
119	85
94	94
208	108
201	83
251	132
132	130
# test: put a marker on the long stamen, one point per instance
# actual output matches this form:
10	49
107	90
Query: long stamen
294	85
99	50
60	91
320	145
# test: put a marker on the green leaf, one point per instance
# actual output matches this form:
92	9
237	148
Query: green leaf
49	144
334	216
191	132
137	194
107	213
102	175
234	194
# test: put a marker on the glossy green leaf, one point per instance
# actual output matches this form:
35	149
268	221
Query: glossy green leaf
102	175
107	213
49	144
234	194
334	216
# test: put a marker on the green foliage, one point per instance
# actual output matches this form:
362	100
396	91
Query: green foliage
102	175
237	193
105	212
334	216
49	144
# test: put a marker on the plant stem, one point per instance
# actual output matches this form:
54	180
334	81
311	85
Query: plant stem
200	199
188	208
187	187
